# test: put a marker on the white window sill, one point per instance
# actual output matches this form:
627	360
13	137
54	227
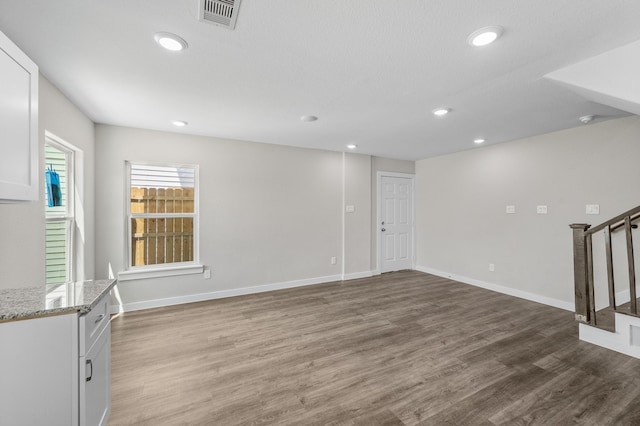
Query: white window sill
159	272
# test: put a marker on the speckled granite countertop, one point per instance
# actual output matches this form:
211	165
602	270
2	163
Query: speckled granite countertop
32	302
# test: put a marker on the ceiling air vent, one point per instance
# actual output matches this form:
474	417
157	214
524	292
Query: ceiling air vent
219	12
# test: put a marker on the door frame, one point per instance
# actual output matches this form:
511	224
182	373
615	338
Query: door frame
412	177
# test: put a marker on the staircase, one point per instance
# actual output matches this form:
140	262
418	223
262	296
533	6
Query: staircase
608	314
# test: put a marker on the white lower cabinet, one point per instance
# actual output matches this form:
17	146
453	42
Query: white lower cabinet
39	371
56	370
95	366
95	395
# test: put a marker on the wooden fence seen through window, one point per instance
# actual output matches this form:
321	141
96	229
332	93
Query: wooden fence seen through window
159	240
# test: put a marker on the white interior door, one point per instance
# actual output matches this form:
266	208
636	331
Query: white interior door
396	223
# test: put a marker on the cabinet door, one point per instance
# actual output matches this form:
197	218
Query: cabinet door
19	170
95	381
39	371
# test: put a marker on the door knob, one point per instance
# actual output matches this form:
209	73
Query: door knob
383	229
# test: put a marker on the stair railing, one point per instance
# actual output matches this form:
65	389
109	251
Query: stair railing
583	264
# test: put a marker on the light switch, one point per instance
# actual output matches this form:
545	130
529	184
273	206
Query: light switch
593	209
350	209
541	209
511	209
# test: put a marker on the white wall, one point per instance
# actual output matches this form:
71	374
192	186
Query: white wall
270	214
61	118
358	222
22	256
461	199
610	78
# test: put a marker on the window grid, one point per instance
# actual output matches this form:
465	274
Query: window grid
59	220
162	215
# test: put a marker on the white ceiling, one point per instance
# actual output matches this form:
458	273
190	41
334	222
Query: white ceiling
371	70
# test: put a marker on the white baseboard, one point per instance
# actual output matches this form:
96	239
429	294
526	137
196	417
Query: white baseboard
501	289
356	275
178	300
622	297
190	298
623	340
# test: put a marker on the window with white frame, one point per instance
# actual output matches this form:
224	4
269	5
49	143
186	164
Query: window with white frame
59	212
162	215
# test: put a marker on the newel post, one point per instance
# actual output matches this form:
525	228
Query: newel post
580	272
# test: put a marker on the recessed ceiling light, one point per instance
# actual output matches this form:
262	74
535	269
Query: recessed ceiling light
352	146
478	141
440	112
179	123
484	36
308	118
170	41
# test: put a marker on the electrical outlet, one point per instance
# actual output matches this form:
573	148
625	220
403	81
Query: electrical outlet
541	209
511	209
334	260
592	209
492	267
207	274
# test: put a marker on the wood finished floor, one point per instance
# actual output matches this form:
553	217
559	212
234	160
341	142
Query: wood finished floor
404	348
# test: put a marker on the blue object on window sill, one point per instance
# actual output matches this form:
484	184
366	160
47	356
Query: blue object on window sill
54	194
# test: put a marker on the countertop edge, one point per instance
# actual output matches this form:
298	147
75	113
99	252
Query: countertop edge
46	312
83	309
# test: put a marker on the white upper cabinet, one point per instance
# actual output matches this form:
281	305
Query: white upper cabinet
19	170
